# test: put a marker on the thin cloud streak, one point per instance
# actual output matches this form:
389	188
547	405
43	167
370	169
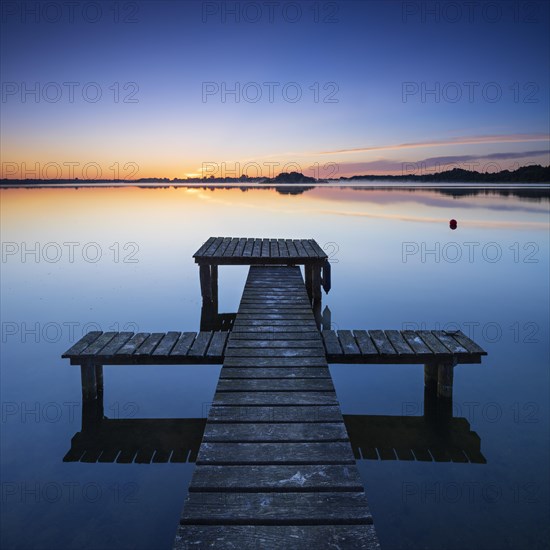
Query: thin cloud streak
468	140
401	165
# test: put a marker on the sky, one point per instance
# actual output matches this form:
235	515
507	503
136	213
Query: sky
186	88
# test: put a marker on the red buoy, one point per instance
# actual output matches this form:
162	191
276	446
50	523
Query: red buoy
452	224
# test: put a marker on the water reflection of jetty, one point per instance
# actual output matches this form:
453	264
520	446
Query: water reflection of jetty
152	441
275	459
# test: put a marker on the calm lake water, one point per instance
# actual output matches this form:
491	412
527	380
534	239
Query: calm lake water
120	259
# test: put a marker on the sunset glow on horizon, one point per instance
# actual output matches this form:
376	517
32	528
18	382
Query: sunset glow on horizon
350	88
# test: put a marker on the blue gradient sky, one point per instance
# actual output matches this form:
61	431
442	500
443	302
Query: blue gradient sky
371	52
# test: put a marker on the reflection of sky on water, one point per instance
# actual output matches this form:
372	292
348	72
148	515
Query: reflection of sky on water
394	262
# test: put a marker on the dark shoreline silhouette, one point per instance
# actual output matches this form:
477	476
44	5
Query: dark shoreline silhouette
526	174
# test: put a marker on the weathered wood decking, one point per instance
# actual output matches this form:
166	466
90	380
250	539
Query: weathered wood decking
276	468
240	251
394	346
145	348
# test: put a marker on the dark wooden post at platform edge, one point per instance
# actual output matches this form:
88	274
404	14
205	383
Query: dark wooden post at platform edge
92	380
430	390
316	282
309	279
326	277
206	282
438	389
214	285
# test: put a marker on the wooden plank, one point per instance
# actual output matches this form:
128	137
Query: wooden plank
321	254
308	248
265	248
200	345
273	384
283	249
274	372
300	249
416	343
270	432
381	342
278	478
276	508
230	250
150	344
243	413
449	342
348	343
432	342
276	330
98	344
332	344
257	248
211	250
267	398
167	343
469	344
82	344
292	252
274	352
256	343
239	251
226	241
204	247
273	248
275	362
289	537
273	323
274	335
247	252
366	345
398	342
290	316
276	453
183	344
116	343
217	344
132	344
252	303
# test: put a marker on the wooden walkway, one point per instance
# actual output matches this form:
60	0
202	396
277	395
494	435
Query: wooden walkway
276	468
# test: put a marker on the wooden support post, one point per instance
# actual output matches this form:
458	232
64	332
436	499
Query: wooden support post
206	282
309	275
209	317
430	391
89	382
430	375
99	379
317	314
445	374
445	380
316	282
214	285
326	320
326	277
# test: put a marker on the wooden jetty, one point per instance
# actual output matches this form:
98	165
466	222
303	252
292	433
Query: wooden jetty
275	468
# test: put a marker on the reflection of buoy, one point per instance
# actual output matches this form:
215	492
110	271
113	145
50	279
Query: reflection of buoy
452	224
